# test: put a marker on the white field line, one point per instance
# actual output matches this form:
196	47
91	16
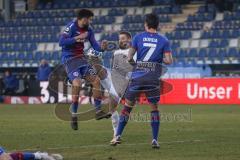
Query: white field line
107	145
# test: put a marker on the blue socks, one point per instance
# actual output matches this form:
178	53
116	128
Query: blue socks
123	119
155	123
97	104
28	156
74	107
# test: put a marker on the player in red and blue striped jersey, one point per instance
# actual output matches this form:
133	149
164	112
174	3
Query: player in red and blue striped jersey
72	42
152	50
28	156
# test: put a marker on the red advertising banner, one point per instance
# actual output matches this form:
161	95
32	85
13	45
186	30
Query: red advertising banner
175	91
203	91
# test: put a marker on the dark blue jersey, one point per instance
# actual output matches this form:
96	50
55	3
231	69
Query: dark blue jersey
71	48
150	47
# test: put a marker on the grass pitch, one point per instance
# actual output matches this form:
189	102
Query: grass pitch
188	132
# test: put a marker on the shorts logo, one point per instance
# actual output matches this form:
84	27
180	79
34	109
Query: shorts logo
76	74
92	71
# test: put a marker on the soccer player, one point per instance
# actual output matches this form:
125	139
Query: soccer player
72	42
152	50
28	156
124	42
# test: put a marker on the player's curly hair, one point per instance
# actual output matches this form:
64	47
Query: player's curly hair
152	20
84	13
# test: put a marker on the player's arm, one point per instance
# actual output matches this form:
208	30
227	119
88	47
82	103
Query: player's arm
132	49
65	38
167	53
4	155
131	54
168	59
95	45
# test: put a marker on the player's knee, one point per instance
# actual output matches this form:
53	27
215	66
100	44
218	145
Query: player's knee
129	103
96	84
76	82
102	74
154	106
91	78
113	104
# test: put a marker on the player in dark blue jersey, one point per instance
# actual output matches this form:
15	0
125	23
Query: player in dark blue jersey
152	50
72	42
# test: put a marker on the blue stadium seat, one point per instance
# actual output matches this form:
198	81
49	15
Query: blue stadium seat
55	55
233	52
213	44
192	52
38	56
182	53
212	52
223	43
222	52
21	56
11	57
202	52
29	56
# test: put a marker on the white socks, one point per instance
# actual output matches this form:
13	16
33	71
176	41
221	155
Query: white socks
107	84
115	120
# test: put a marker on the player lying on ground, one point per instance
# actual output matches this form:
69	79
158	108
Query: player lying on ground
152	49
28	156
77	67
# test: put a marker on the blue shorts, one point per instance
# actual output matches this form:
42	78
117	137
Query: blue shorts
148	84
1	151
78	67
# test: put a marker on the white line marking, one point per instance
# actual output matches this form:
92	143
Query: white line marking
107	145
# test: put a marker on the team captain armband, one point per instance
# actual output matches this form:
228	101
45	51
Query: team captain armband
1	151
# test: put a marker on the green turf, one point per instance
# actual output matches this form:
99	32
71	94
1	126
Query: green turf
211	133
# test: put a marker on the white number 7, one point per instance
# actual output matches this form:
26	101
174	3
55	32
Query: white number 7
150	51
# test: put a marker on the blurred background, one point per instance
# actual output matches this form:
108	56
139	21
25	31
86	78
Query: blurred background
204	35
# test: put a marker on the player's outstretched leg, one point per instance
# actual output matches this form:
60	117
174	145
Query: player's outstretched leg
115	121
115	116
125	113
155	123
97	94
74	106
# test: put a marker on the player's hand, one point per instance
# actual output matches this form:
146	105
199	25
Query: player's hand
131	61
104	45
94	53
81	37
